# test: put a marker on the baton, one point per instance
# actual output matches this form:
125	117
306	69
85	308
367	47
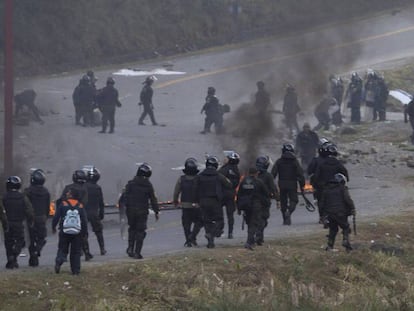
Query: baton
308	204
354	223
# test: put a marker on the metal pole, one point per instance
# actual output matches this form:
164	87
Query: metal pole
8	87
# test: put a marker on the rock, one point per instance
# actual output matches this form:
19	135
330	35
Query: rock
373	150
348	131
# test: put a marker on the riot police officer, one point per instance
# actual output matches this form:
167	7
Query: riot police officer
291	109
210	186
329	166
213	111
184	195
354	95
146	100
39	197
95	207
231	171
252	198
307	143
107	100
262	164
139	192
337	205
289	173
18	208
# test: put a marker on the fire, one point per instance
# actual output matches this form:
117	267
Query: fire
308	188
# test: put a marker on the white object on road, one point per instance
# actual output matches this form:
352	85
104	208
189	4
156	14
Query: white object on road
130	72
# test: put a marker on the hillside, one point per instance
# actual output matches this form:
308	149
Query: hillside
54	36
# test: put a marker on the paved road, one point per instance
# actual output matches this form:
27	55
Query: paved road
60	147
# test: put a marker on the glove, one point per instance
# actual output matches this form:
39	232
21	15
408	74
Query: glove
238	212
139	104
101	216
157	216
119	105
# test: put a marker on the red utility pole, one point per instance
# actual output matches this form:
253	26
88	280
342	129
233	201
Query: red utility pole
8	87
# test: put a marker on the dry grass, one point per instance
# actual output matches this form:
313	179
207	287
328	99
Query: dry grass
284	275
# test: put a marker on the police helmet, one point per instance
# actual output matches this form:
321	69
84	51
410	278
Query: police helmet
262	163
85	78
93	175
340	178
323	143
212	162
37	177
110	81
260	84
332	150
190	167
355	76
290	88
144	170
90	74
211	90
79	177
233	157
306	125
288	148
13	183
150	80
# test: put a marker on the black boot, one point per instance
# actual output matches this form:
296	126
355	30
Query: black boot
99	237
138	248
33	260
331	242
345	241
85	248
130	249
230	236
210	240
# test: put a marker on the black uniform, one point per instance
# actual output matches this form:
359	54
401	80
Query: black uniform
307	143
291	109
337	205
231	172
317	188
27	98
252	198
327	169
18	208
95	212
87	94
210	186
191	217
269	183
322	113
146	101
107	100
39	197
354	93
337	92
66	240
381	100
214	114
262	100
289	173
138	193
409	116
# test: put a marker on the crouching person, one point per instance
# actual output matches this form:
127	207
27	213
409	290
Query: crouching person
251	199
336	206
72	220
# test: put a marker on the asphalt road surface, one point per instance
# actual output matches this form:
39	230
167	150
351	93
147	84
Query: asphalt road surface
60	147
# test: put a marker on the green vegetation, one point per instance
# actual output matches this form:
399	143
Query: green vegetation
63	35
293	274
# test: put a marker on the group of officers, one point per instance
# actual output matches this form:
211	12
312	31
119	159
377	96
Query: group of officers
33	205
87	98
200	194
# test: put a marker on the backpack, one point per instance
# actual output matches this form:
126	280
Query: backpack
72	222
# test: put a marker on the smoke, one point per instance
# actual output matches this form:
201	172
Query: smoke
304	61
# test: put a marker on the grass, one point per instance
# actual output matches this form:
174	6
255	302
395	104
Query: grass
289	274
